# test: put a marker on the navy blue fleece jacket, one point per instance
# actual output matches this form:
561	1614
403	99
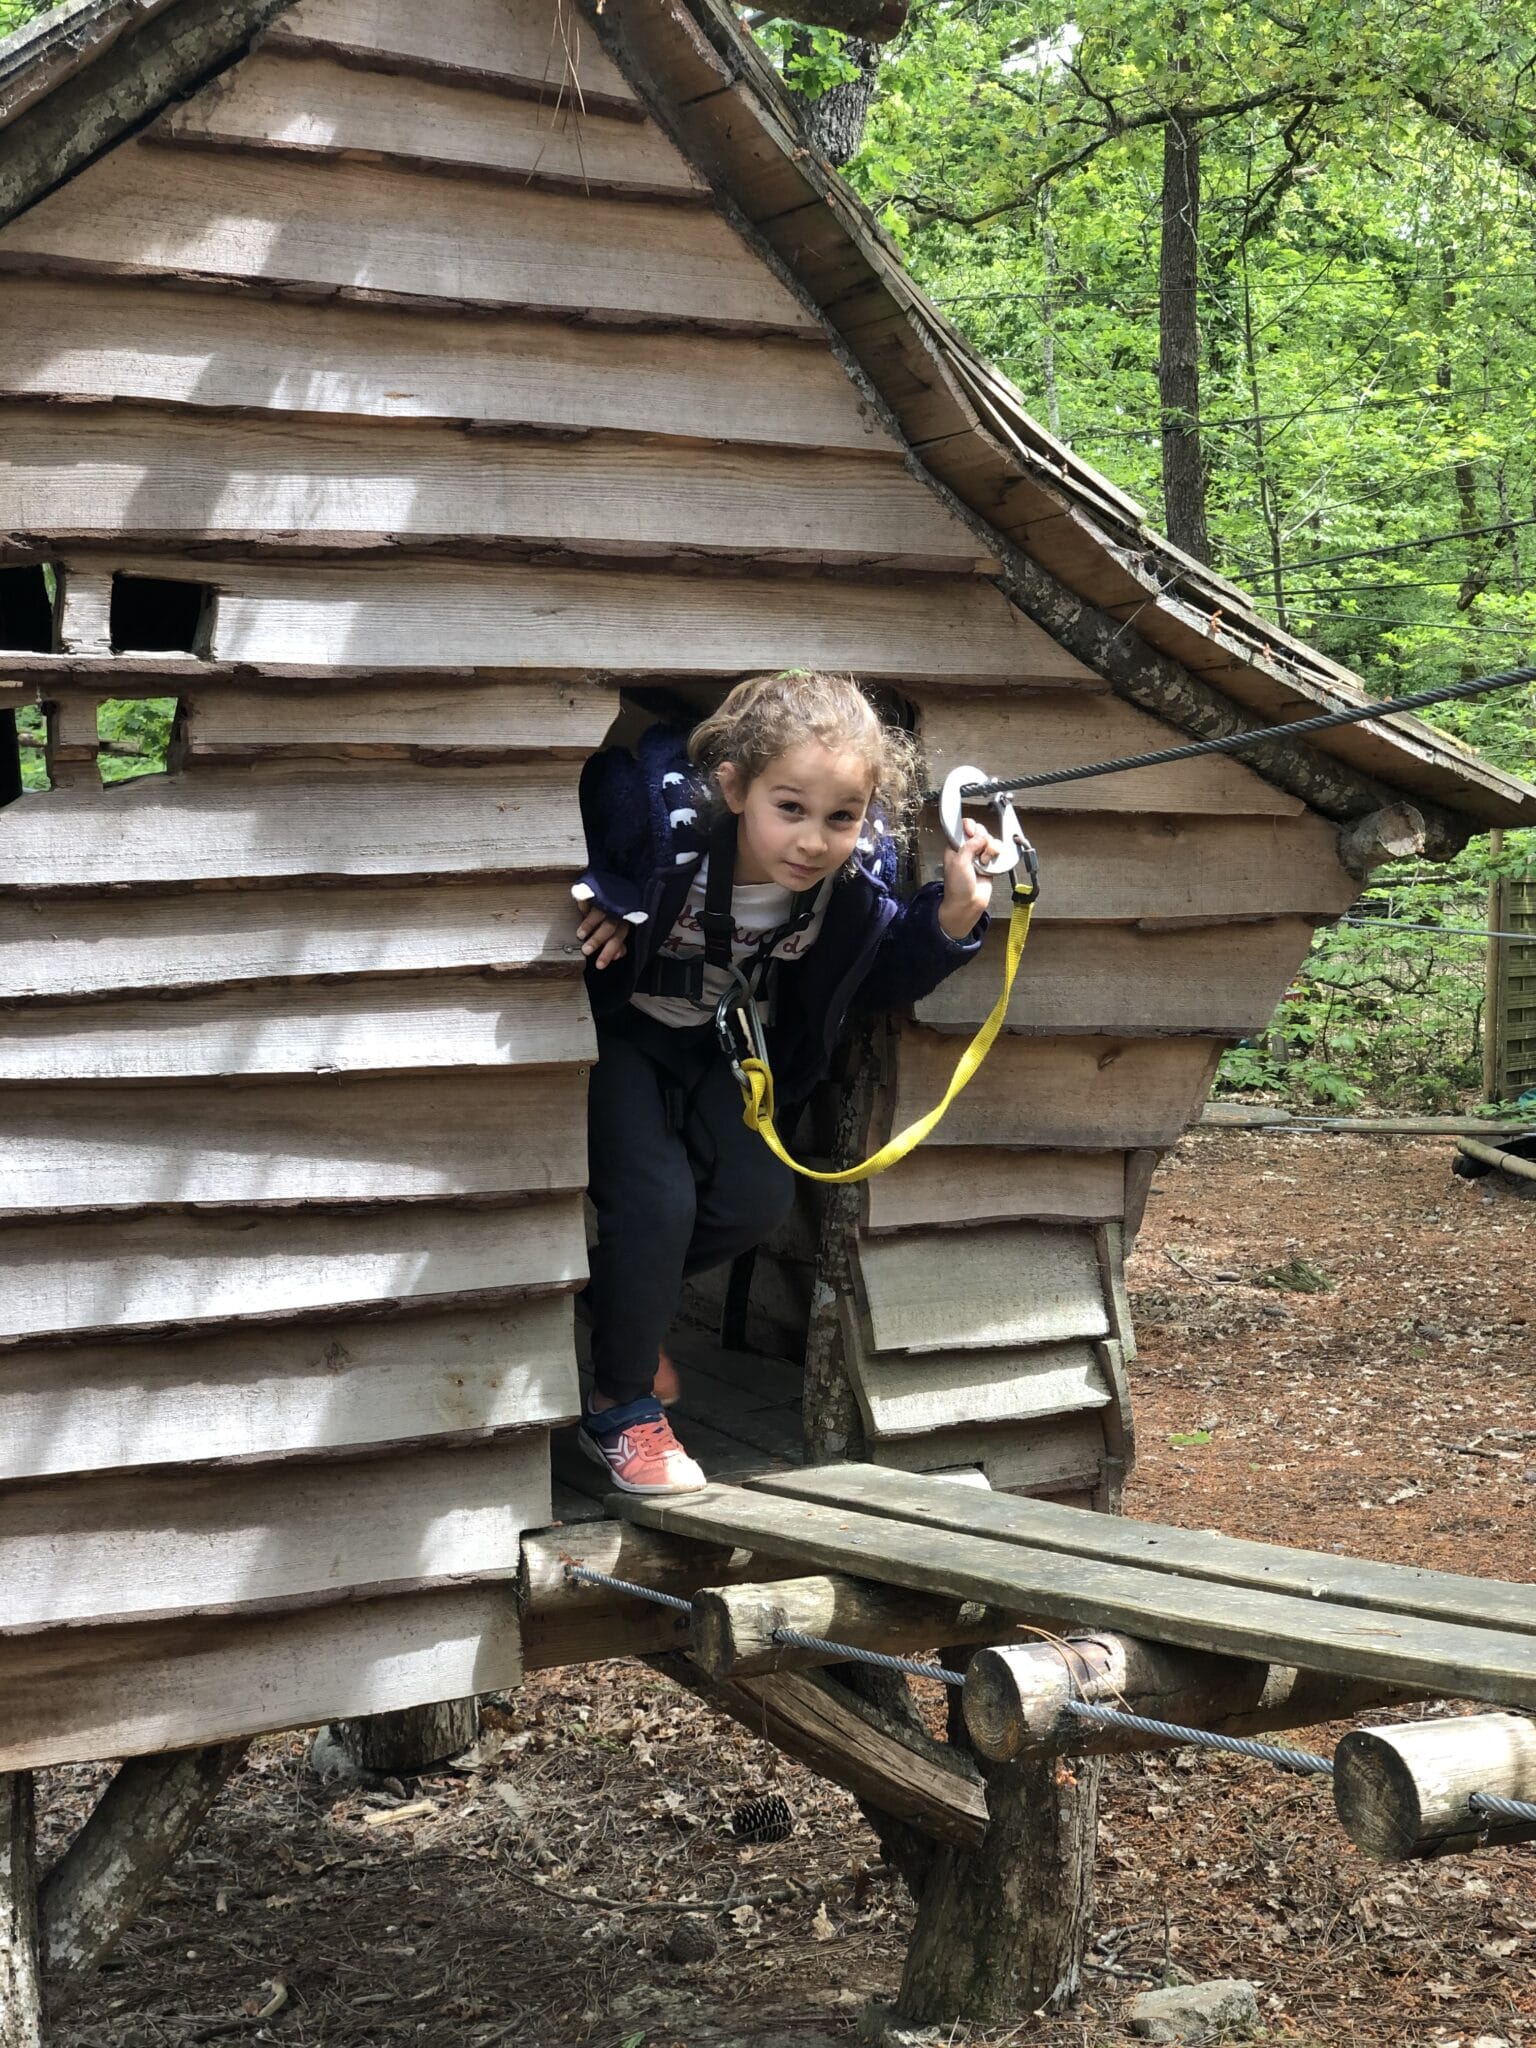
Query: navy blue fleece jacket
647	832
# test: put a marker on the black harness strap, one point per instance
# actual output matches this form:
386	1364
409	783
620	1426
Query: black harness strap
685	978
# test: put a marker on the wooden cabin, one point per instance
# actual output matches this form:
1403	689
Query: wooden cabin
395	387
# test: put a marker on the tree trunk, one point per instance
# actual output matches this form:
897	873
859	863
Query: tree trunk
834	120
1000	1930
21	1996
414	1739
1178	362
138	1827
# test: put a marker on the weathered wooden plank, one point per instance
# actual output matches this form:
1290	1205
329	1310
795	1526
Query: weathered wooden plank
328	1140
1199	1554
919	1392
419	236
110	1547
1222	980
81	945
544	47
1457	1661
1088	1092
1032	732
958	1184
284	99
1115	867
370	1026
263	1393
85	338
294	819
77	1695
565	720
175	479
410	615
69	1277
1006	1284
1059	1454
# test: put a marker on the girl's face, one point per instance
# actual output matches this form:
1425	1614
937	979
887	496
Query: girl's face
801	817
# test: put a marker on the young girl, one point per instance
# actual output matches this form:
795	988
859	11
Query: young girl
766	838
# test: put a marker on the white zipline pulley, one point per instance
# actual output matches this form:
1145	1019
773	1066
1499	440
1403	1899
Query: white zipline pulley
952	818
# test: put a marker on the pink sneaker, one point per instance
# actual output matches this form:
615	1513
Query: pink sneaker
636	1444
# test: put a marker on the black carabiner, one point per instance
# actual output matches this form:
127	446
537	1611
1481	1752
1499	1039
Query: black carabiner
1027	891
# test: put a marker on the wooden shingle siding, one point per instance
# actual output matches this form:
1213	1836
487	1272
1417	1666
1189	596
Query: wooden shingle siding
960	1185
79	1276
364	1026
1221	980
147	210
1059	1455
1079	1092
914	1395
412	614
1030	733
1148	866
1000	1286
281	482
537	48
298	821
106	338
294	1141
268	1392
63	945
110	1547
78	1694
288	101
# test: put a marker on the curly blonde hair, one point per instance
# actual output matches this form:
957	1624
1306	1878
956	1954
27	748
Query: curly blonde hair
768	715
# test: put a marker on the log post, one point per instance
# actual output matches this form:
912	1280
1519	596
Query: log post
1016	1698
21	1993
733	1626
1001	1929
1402	1792
149	1812
410	1740
1394	833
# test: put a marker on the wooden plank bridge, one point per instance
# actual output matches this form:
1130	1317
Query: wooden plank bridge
1069	1568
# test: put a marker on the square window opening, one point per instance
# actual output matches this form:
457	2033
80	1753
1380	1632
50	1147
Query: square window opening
159	615
28	606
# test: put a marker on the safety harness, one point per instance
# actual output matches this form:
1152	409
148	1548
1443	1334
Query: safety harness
738	1020
684	979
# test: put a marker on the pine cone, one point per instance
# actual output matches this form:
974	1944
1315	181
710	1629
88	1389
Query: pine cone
763	1820
691	1941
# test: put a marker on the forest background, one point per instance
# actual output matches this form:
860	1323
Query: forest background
1271	268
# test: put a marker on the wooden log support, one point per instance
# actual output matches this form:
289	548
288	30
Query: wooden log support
1396	832
733	1626
825	1726
1402	1793
565	1621
21	1992
145	1818
411	1740
1016	1698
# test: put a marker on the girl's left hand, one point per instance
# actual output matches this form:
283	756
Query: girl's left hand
967	895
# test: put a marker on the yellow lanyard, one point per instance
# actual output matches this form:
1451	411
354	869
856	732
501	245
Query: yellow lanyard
757	1081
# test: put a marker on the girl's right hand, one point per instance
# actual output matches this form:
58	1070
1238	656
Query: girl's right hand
606	937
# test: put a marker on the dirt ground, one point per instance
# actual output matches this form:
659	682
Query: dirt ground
1391	1412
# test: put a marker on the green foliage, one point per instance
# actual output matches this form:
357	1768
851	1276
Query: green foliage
136	731
16	14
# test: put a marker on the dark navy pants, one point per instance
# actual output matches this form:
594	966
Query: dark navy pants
678	1181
